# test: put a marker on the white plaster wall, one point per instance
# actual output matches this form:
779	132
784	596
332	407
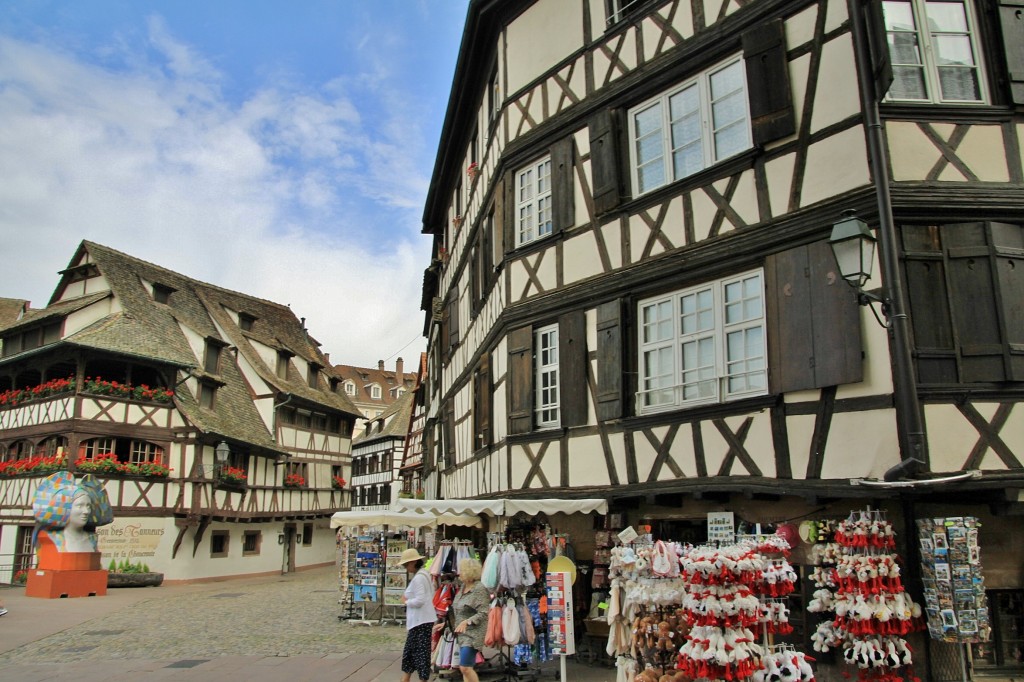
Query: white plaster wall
861	445
800	27
80	319
196	341
779	172
837	95
581	259
837	14
543	35
984	153
835	165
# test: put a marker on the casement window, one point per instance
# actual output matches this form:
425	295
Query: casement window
690	127
703	344
207	394
245	322
350	388
933	48
144	451
211	357
533	201
375	392
162	293
251	541
219	543
617	10
542	360
965	285
493	96
90	449
313	375
545	404
283	359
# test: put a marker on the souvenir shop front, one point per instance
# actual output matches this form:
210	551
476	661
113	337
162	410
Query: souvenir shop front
531	621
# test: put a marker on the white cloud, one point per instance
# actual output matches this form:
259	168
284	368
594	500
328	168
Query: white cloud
298	196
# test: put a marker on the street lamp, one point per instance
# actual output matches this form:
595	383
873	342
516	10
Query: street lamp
222	452
853	246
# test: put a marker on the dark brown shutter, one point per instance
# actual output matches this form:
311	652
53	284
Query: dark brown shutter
508	231
444	338
453	318
975	310
1009	269
449	435
813	321
520	380
487	253
500	225
604	160
609	360
1011	21
563	191
925	284
878	45
572	368
482	402
771	103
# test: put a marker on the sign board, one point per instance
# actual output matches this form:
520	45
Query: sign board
721	527
561	633
627	536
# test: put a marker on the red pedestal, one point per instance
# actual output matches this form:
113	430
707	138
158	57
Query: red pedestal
65	574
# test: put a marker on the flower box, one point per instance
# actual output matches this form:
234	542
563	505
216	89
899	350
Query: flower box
134	579
232	476
106	464
338	482
294	481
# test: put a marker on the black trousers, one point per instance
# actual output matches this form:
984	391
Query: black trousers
416	654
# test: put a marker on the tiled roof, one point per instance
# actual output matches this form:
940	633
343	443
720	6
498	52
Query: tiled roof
364	377
145	328
396	421
10	309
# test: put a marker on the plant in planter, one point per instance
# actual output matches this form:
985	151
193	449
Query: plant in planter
294	481
32	466
473	170
103	464
128	574
338	482
155	469
233	475
20	578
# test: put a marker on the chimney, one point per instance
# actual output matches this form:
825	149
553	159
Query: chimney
380	365
327	359
399	366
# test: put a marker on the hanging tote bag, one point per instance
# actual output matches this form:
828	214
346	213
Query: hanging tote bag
510	623
493	638
491	569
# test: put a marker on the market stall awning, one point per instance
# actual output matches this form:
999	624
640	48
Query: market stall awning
505	507
400	518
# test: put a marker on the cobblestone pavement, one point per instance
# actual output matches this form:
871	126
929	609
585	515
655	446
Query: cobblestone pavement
293	615
249	630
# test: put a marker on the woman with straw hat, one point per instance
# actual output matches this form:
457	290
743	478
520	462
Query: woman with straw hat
419	616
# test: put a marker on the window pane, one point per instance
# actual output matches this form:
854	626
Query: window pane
544	216
696	312
657	322
953	51
731	140
649	148
899	16
946	17
959	84
903	48
727	81
698	358
908	83
658	377
728	111
651	176
648	121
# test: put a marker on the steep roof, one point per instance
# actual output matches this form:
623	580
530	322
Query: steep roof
364	377
395	419
11	309
142	327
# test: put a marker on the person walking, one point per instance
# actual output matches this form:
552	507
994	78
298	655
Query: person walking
419	616
470	607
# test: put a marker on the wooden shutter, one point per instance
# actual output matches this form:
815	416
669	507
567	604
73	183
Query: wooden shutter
609	360
572	368
924	274
878	45
509	228
443	338
771	103
1008	241
520	380
976	299
453	319
604	161
563	187
449	435
482	403
813	321
498	229
1011	21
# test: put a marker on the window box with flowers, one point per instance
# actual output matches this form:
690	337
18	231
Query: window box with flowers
31	466
116	389
338	482
473	170
294	481
107	465
17	396
234	477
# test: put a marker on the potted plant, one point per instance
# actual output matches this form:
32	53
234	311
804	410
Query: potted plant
127	574
233	475
104	464
338	482
294	481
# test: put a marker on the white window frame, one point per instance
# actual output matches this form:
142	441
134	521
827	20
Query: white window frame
350	388
546	403
533	198
145	451
375	392
663	384
926	45
710	154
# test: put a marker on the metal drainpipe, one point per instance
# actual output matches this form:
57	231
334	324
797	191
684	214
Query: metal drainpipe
908	407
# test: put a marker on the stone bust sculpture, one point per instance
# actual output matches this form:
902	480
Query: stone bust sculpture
70	510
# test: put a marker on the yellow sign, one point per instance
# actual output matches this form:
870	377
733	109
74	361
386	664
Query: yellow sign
132	539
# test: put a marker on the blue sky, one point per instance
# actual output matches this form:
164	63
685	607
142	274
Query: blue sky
279	149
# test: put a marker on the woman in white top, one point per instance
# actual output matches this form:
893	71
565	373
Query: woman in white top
419	616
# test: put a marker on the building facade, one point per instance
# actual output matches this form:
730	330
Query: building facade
633	294
374	389
209	415
377	457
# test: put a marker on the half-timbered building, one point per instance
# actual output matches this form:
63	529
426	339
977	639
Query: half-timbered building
208	414
377	457
632	291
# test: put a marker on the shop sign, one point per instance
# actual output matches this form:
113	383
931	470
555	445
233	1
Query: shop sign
721	527
136	540
561	633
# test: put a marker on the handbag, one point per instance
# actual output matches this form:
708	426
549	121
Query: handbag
510	623
493	638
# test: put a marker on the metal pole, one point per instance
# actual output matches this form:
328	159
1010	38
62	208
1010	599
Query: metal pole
914	444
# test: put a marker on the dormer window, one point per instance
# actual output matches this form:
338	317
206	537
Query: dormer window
283	358
313	375
211	357
350	388
398	392
375	392
207	394
334	384
245	322
162	293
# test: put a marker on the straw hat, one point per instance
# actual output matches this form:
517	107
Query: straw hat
408	555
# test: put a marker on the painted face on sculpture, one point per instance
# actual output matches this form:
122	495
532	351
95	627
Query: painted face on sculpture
81	509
